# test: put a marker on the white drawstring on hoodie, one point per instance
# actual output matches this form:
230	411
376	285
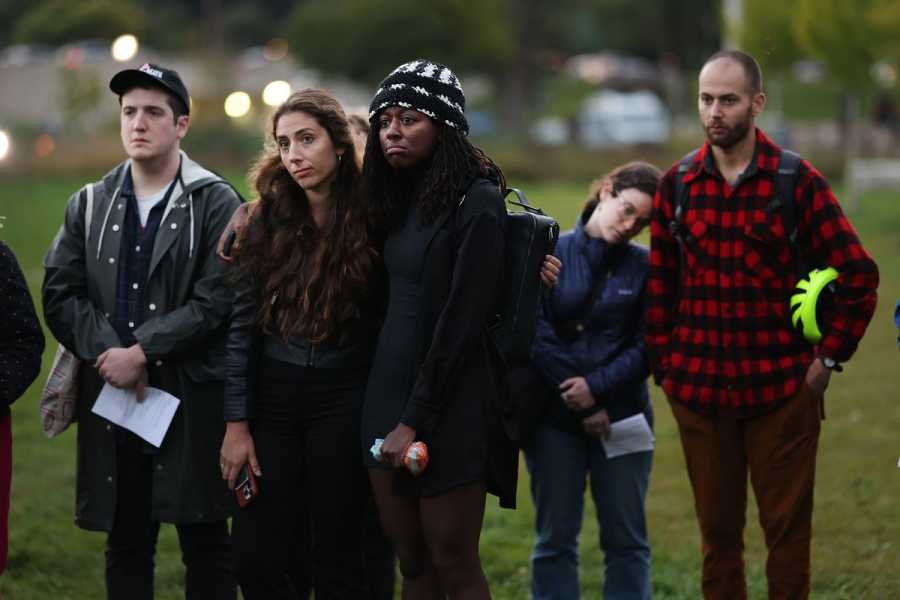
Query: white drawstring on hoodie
105	220
191	208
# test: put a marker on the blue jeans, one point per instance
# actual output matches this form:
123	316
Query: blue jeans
559	462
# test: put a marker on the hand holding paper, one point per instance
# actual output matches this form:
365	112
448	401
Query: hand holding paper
628	436
149	419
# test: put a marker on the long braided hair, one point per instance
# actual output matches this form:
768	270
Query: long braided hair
433	185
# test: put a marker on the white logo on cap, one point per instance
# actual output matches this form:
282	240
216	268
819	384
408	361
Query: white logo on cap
146	68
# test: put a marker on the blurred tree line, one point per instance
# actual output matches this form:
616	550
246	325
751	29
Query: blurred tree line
851	38
373	34
512	42
519	45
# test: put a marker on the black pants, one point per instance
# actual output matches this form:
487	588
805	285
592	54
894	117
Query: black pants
379	560
303	432
131	545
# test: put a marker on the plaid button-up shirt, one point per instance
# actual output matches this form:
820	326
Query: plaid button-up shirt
728	346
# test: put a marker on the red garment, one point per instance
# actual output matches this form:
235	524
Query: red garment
5	480
729	347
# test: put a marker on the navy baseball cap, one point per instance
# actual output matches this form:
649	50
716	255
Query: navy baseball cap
150	73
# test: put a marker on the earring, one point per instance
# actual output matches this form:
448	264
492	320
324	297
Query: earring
340	156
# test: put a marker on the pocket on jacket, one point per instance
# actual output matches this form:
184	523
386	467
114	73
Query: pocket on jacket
767	253
696	248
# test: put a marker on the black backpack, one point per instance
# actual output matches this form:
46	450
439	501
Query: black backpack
530	235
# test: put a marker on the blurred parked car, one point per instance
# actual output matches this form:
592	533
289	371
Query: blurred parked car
25	54
611	69
610	118
550	131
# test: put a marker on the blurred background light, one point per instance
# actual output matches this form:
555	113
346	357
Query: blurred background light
276	92
73	57
275	49
885	74
4	144
124	47
44	145
237	104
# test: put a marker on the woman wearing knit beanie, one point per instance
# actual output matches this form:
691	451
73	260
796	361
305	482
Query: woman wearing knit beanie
437	375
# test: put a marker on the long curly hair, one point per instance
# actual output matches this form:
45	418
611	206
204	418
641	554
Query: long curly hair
308	281
433	185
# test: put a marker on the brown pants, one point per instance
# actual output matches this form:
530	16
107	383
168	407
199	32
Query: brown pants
780	450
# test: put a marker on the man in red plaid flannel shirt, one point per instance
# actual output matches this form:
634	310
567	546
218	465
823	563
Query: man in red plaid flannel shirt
745	388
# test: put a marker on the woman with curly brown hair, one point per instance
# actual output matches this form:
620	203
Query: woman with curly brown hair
300	344
437	375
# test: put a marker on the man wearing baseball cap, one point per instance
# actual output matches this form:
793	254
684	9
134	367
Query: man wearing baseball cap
134	289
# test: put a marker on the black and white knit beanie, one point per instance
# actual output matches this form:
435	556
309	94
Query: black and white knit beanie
425	86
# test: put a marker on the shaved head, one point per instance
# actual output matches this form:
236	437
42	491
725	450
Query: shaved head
752	72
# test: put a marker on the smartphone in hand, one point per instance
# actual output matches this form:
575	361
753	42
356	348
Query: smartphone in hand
245	486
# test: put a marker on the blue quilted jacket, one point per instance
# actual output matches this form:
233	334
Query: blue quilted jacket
609	352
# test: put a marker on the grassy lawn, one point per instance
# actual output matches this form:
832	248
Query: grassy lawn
856	543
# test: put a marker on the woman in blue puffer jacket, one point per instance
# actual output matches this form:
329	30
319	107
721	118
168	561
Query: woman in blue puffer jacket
590	350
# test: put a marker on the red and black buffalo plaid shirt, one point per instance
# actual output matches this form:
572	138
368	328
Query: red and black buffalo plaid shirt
728	347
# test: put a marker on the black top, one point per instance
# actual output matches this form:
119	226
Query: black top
21	338
391	379
436	368
351	347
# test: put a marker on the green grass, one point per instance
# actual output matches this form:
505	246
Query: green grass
856	543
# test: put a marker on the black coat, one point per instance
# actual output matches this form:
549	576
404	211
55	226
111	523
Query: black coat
182	336
460	382
21	338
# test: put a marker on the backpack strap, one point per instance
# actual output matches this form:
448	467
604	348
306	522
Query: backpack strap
521	201
682	194
785	184
676	225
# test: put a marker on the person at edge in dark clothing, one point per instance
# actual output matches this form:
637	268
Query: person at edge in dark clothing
745	387
437	377
134	289
21	346
590	349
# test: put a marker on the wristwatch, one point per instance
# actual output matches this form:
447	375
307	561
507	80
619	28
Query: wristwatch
831	364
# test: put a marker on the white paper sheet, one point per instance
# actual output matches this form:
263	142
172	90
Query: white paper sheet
629	435
149	419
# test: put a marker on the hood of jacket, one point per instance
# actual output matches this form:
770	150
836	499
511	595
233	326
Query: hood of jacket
190	178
